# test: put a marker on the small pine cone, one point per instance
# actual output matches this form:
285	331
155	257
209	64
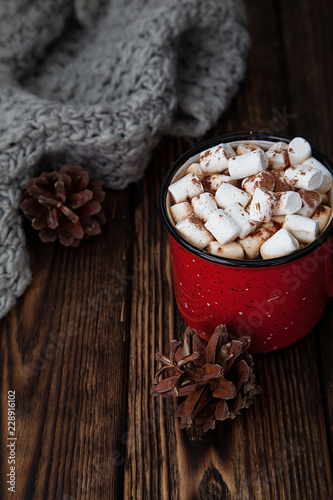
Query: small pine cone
216	378
65	205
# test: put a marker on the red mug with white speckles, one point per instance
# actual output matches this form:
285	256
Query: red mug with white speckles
274	301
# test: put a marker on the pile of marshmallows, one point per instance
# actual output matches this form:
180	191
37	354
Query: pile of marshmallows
247	203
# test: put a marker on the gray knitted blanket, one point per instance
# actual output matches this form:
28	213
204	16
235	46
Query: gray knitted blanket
97	83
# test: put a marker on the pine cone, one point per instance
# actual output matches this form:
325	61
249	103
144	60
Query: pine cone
65	205
216	378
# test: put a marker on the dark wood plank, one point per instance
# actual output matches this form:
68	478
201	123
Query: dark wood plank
262	105
306	51
79	347
64	352
323	336
276	449
308	44
262	454
152	326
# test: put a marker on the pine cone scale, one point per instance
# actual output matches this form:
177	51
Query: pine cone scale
167	386
90	208
47	235
90	226
96	187
212	347
67	212
225	389
30	207
204	374
243	372
40	221
60	191
65	237
221	410
188	359
73	228
36	192
186	409
79	199
52	219
48	201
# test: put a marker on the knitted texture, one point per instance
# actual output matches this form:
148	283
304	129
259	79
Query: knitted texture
97	83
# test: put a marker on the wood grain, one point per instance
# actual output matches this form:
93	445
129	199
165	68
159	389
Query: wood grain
275	450
62	351
79	347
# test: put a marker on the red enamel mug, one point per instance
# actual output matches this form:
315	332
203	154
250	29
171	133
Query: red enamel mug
274	301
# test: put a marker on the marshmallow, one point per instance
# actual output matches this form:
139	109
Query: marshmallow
246	147
247	164
181	210
228	194
216	159
304	177
303	228
185	188
194	231
213	181
325	199
310	201
263	179
278	155
252	243
281	243
222	227
288	202
322	215
241	218
272	225
195	168
299	150
327	176
262	205
232	250
280	183
278	218
203	205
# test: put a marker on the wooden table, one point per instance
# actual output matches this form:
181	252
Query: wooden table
79	348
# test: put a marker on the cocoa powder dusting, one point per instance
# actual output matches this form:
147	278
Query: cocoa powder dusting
319	210
207	183
286	157
276	225
280	183
264	180
194	219
196	182
206	154
310	198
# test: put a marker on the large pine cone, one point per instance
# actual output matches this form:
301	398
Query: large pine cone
65	205
216	378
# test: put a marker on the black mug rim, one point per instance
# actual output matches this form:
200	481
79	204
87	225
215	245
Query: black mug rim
246	263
